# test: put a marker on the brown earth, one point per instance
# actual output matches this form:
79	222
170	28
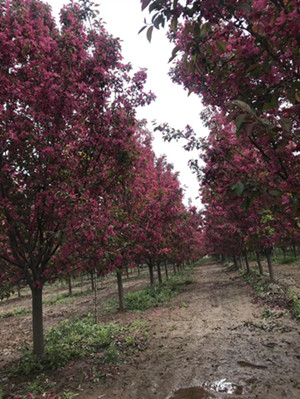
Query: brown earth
212	340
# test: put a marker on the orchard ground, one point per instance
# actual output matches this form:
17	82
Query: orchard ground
214	336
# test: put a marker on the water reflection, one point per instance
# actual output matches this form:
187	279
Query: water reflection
205	391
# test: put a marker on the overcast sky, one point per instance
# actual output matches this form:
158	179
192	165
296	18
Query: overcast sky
123	19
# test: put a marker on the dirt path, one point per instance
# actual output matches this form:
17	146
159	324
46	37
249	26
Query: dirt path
212	332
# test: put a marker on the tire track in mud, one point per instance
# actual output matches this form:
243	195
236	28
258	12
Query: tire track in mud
212	332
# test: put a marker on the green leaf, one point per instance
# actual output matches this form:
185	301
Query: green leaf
240	120
246	204
174	52
238	188
245	6
244	106
149	33
141	30
204	29
275	193
222	46
145	4
286	124
174	24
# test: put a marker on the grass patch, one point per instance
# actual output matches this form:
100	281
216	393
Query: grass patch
295	303
77	339
159	294
66	297
258	283
14	312
296	308
281	260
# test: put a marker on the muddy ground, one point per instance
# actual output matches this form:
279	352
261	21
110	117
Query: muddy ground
212	339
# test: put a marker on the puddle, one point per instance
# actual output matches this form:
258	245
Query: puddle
192	393
205	392
243	363
224	386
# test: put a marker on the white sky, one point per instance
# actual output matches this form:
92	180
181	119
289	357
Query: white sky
124	19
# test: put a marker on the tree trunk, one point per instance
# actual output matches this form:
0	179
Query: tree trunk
174	268
120	290
70	285
166	270
235	262
247	262
241	262
159	273
270	265
294	251
37	322
96	301
92	280
150	266
284	253
259	264
19	292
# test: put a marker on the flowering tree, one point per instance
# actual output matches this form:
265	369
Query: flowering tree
243	57
66	130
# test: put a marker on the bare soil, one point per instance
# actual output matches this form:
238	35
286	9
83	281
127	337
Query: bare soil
212	342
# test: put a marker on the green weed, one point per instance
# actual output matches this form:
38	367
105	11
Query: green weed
159	294
296	309
65	297
15	312
76	339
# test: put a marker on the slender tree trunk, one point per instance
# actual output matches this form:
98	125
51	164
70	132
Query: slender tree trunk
120	290
70	284
259	263
96	300
159	273
284	253
247	262
166	270
92	281
235	262
19	292
174	268
127	272
37	321
150	266
241	262
139	270
81	282
294	251
270	264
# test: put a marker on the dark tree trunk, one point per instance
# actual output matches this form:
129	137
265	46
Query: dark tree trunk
120	290
270	265
241	262
159	273
127	272
259	263
247	262
174	268
235	262
19	292
294	251
37	321
284	253
70	285
166	271
92	281
96	300
150	266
